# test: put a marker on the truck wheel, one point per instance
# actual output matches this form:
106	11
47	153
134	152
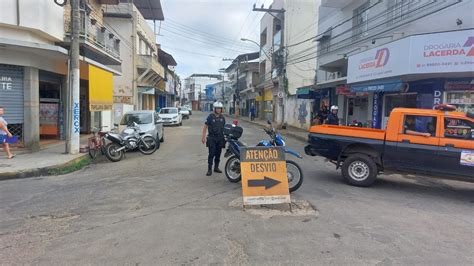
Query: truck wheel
359	170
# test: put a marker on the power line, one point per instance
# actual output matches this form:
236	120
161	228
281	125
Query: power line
360	40
377	16
190	52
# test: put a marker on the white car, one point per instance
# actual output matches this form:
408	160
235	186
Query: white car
184	112
171	116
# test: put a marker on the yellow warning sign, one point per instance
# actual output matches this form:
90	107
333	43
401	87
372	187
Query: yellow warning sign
264	177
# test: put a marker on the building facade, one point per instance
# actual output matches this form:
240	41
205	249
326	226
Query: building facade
195	86
374	56
143	75
286	74
34	38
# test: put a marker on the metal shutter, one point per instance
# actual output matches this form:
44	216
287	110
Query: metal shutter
11	93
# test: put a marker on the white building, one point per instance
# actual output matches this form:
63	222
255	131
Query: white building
195	86
377	55
34	38
284	65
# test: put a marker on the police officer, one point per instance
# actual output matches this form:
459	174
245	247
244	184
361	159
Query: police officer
332	118
215	139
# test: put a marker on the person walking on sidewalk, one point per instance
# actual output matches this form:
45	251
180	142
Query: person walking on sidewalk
252	113
5	133
215	141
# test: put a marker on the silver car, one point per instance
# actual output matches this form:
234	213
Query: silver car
148	121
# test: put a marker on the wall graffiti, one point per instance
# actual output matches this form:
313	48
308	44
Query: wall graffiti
302	113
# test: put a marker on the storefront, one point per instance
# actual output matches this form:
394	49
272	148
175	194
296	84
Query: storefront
146	96
11	97
51	115
318	97
268	104
460	93
414	72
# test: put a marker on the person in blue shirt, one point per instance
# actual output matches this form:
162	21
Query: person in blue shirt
215	141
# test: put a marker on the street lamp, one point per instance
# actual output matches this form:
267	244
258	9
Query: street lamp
256	43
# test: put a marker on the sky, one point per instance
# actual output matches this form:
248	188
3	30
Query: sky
201	33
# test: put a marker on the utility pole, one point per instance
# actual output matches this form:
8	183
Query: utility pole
73	127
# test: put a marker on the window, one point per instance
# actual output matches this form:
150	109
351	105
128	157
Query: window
414	124
140	119
169	111
458	128
360	20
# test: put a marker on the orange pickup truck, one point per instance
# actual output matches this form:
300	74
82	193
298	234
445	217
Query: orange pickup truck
434	142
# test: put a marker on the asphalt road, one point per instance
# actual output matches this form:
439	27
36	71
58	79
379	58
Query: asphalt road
162	209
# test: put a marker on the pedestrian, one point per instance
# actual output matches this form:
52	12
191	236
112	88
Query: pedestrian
252	112
332	118
322	114
215	141
5	133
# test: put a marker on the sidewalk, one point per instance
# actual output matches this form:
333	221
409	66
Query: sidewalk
39	163
292	132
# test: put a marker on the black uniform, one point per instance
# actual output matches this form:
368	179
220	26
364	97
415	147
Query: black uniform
215	138
332	119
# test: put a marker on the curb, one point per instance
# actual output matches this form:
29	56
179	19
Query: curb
49	170
287	133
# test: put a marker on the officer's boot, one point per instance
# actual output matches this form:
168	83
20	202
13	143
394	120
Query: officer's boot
209	170
216	169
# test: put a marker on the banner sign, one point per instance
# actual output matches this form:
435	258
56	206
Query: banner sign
444	52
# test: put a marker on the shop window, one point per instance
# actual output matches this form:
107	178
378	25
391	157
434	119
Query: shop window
463	100
399	100
458	128
419	124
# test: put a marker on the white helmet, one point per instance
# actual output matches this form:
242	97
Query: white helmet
218	105
334	107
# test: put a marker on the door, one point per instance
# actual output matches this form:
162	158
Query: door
417	143
456	150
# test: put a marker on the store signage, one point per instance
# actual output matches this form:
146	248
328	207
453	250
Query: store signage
459	85
377	110
445	52
6	83
76	122
437	96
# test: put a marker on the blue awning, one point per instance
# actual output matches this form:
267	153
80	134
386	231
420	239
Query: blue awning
380	86
308	92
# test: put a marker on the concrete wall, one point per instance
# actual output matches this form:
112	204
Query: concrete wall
301	19
31	20
124	85
298	112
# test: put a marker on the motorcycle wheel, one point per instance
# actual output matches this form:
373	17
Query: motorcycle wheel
150	142
92	149
232	169
295	175
111	152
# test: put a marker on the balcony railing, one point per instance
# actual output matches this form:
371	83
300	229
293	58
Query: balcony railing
96	35
151	62
376	21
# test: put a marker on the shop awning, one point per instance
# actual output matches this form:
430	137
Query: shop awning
101	89
146	90
380	86
306	92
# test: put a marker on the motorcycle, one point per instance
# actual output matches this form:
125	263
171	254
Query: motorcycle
130	139
232	166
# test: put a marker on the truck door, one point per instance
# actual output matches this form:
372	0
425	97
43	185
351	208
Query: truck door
417	143
456	149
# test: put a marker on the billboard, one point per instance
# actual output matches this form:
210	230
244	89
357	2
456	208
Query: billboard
444	52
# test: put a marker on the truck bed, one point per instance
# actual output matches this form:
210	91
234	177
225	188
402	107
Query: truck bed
356	132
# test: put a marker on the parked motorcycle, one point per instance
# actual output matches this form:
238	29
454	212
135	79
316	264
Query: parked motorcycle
232	133
130	139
